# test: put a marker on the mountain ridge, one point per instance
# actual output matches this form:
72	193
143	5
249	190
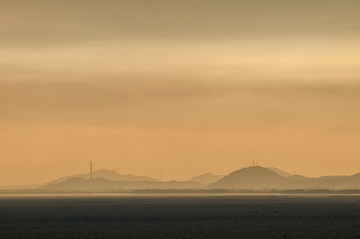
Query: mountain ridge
256	178
206	178
107	174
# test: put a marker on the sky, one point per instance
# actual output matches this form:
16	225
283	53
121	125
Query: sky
179	87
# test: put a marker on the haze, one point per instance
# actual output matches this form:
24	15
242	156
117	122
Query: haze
183	87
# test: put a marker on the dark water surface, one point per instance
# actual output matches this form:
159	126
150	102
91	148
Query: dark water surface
191	216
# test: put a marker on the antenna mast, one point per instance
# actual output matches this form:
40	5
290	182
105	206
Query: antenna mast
90	169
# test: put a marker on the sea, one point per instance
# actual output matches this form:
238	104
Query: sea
179	216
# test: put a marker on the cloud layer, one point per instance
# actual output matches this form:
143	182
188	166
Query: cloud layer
182	87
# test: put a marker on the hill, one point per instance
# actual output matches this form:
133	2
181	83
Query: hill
280	172
107	174
325	182
78	184
253	178
259	178
206	178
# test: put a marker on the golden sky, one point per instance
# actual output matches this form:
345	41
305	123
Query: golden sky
184	87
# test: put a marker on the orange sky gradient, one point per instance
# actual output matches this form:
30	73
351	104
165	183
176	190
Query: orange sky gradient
182	87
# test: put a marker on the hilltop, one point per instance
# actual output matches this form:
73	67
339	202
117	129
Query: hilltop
107	174
253	178
206	178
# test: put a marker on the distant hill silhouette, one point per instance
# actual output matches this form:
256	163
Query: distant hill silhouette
108	174
259	178
206	178
280	172
253	178
78	184
326	182
256	178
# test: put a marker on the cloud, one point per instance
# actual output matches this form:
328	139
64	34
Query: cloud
62	22
188	104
